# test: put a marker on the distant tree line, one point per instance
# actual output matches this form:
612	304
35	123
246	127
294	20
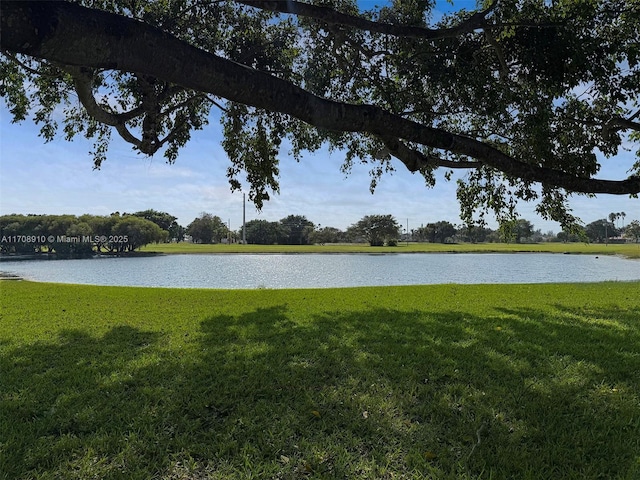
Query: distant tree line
380	230
71	235
126	232
291	230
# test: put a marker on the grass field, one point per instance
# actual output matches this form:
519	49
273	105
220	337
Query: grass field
629	249
459	382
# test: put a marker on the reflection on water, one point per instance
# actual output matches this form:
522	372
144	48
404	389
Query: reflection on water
320	271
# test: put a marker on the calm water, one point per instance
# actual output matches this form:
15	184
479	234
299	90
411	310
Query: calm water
318	271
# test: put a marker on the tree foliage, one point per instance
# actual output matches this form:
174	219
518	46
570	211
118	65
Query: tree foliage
377	229
324	235
207	228
474	234
76	236
600	230
295	230
517	230
163	219
263	232
437	232
136	232
528	99
633	230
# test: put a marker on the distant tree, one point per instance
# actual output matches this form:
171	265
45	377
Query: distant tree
537	236
495	236
162	219
437	232
207	228
378	229
515	230
353	235
55	227
524	230
131	233
177	232
200	230
295	230
71	235
327	235
78	230
474	234
262	232
615	216
600	230
16	226
101	229
507	231
574	235
633	230
420	234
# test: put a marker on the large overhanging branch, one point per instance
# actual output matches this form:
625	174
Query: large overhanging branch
73	35
333	17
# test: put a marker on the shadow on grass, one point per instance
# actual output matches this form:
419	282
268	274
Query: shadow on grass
373	394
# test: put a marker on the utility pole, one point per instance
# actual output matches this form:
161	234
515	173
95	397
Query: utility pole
244	237
407	232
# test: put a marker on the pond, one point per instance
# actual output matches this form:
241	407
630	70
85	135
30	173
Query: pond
326	270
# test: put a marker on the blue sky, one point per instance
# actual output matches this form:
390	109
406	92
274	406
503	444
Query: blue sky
57	178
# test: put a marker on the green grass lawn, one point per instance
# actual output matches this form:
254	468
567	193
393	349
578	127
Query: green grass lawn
449	381
629	249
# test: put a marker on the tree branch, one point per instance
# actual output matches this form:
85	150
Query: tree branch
504	69
215	103
613	124
331	16
624	124
82	82
416	161
22	64
150	143
49	30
